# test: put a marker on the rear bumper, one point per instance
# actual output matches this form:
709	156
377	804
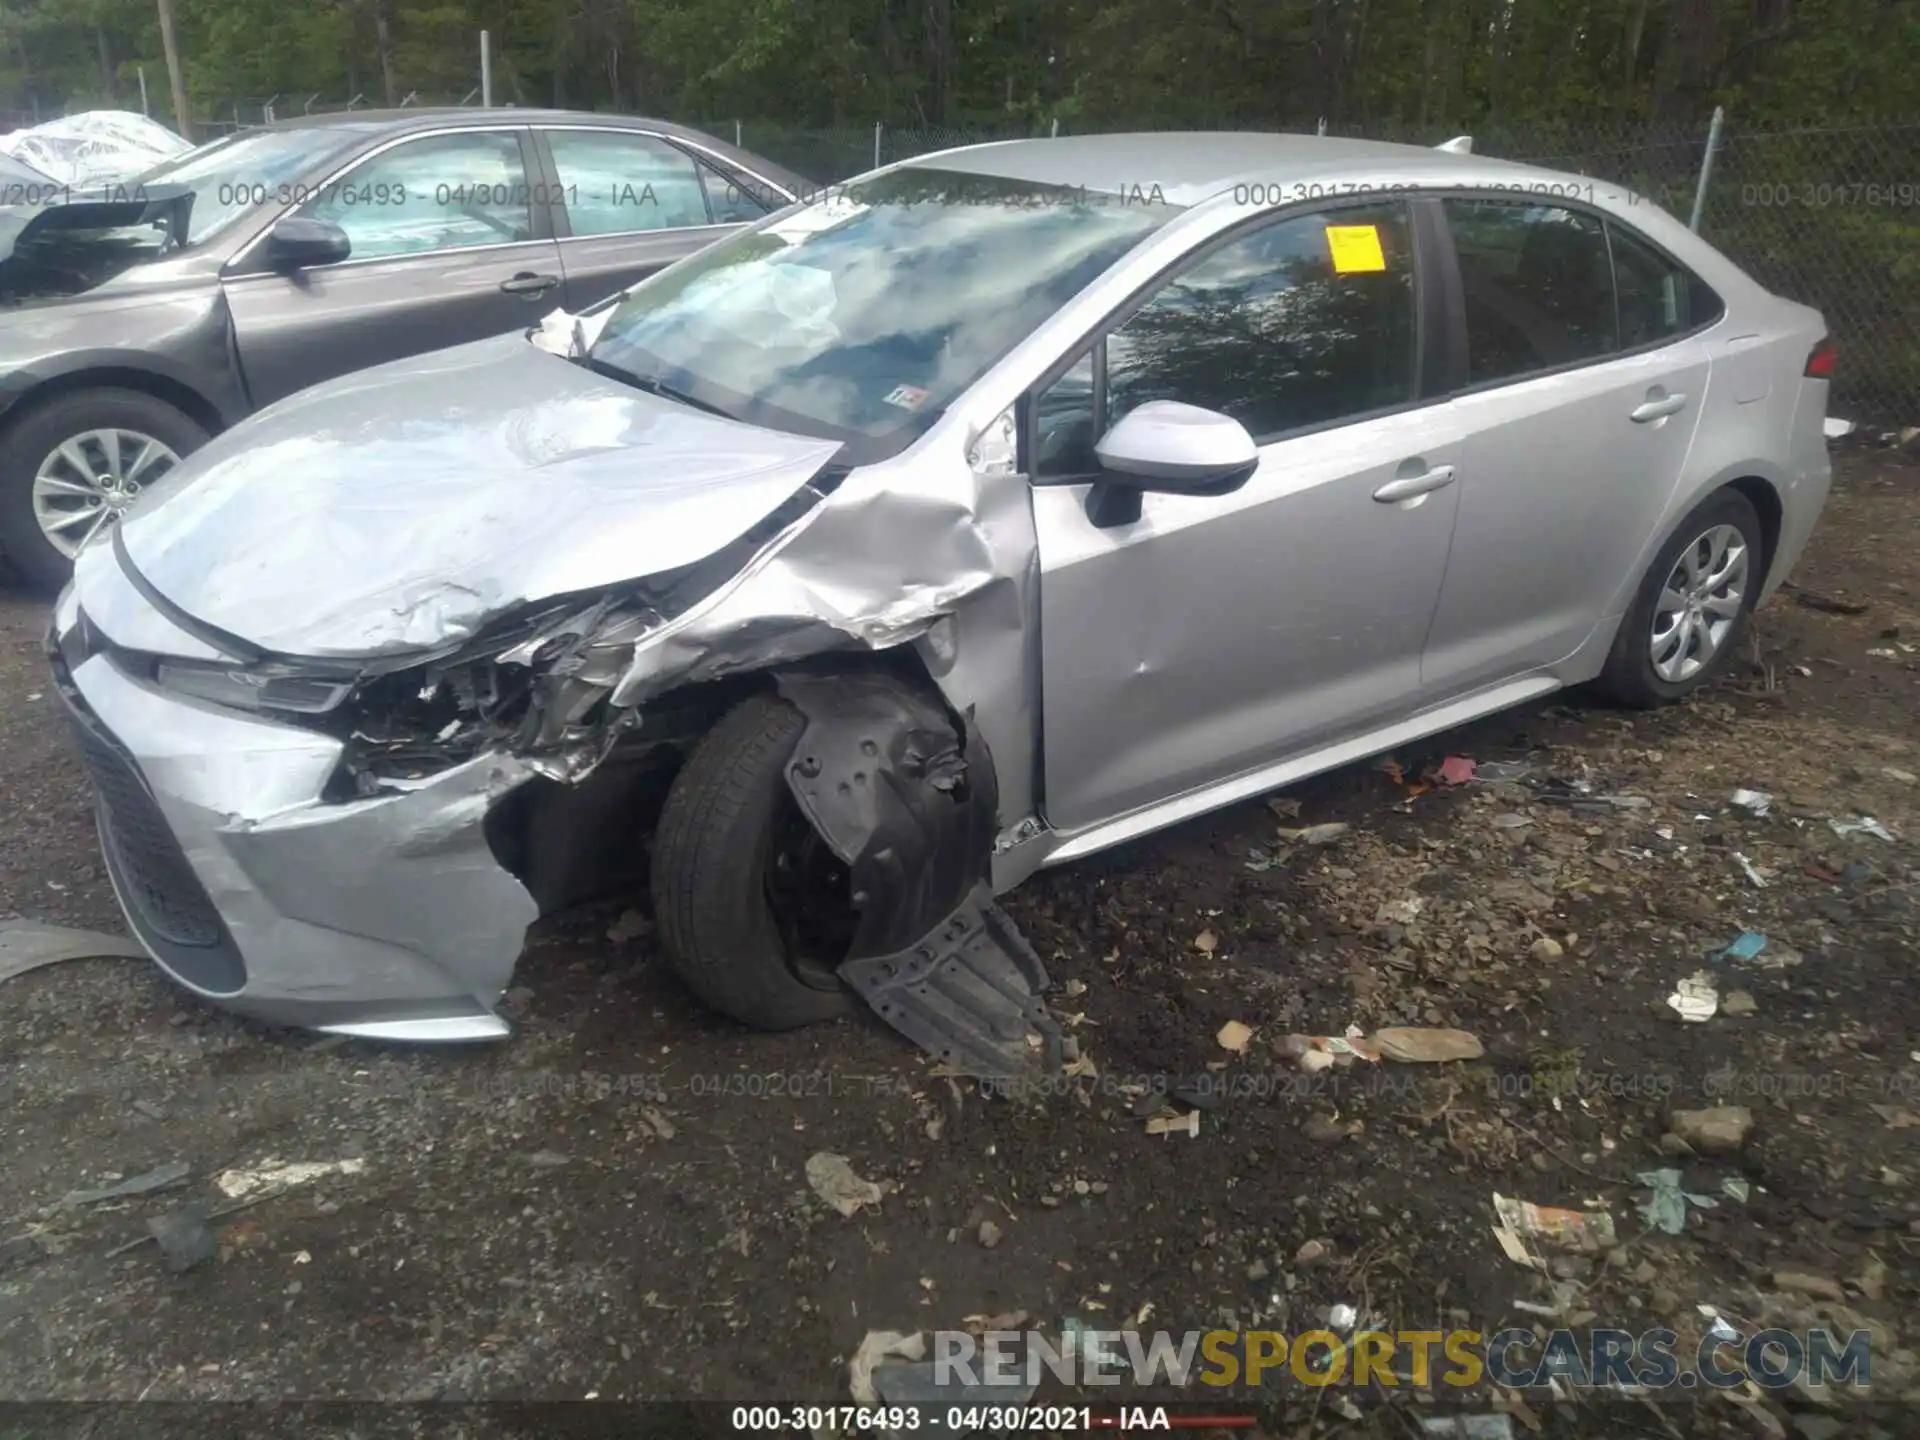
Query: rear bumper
1808	482
387	917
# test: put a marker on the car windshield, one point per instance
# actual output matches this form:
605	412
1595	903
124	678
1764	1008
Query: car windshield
233	175
861	315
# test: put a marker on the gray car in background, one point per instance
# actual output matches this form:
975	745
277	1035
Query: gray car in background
994	510
137	320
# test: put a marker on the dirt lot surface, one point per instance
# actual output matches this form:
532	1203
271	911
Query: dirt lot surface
615	1203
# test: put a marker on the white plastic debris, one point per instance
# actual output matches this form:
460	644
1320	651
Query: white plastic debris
878	1346
1758	880
95	147
270	1175
1755	802
1834	427
1861	825
1695	998
833	1180
27	945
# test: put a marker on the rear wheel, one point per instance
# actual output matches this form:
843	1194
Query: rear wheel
753	908
73	465
1692	605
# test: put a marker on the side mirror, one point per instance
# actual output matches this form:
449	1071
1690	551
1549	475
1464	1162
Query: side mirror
1169	446
298	241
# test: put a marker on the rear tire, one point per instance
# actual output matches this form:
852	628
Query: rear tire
713	853
1646	670
30	441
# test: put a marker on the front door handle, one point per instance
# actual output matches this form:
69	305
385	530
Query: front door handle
1412	485
1659	409
528	283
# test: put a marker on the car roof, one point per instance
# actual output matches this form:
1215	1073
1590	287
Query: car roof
423	119
1191	166
433	117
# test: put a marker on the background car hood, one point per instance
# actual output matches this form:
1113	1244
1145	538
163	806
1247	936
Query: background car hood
401	507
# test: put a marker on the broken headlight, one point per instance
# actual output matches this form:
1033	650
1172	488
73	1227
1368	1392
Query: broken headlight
252	689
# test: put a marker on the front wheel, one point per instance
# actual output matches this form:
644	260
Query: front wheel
754	910
1691	607
73	465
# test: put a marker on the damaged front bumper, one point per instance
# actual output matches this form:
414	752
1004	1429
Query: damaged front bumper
386	917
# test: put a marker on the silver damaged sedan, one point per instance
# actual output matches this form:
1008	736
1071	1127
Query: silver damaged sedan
986	512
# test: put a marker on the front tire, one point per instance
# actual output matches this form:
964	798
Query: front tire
72	465
752	910
1692	606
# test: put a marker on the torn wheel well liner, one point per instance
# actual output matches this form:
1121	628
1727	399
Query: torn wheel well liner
902	790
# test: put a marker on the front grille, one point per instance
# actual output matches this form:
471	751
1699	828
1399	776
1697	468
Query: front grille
152	868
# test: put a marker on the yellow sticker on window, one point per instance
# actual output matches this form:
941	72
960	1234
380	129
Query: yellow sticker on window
1355	249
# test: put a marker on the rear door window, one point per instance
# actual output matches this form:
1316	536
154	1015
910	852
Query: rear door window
1659	298
1538	286
615	183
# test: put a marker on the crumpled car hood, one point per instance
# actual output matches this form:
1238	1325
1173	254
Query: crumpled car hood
400	508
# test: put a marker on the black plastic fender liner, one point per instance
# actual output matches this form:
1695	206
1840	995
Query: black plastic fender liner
905	796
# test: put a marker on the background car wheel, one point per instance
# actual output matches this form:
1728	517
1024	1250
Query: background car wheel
74	465
753	908
1692	606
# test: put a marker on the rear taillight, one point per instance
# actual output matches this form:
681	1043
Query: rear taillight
1821	362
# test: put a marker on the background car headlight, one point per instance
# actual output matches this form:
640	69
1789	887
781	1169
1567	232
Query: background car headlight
250	690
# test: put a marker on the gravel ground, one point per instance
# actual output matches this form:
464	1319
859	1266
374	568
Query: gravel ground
615	1202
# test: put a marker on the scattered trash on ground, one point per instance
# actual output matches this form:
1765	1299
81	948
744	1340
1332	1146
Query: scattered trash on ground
1826	604
277	1175
1548	1227
833	1180
1165	1123
1896	1117
161	1177
184	1237
1748	945
1735	1187
877	1347
1905	777
631	925
1863	825
1234	1036
1284	807
1317	1052
1666	1209
1317	834
1500	772
1695	998
1206	942
1755	802
1738	1003
1718	1130
1426	1046
1456	770
1758	881
1468	1427
27	945
1511	820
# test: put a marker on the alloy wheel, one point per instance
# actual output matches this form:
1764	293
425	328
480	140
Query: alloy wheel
88	482
1699	604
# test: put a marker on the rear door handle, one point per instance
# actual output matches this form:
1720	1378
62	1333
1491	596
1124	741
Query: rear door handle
1412	485
528	283
1659	409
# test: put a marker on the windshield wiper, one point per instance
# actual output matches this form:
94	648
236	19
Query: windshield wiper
653	385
